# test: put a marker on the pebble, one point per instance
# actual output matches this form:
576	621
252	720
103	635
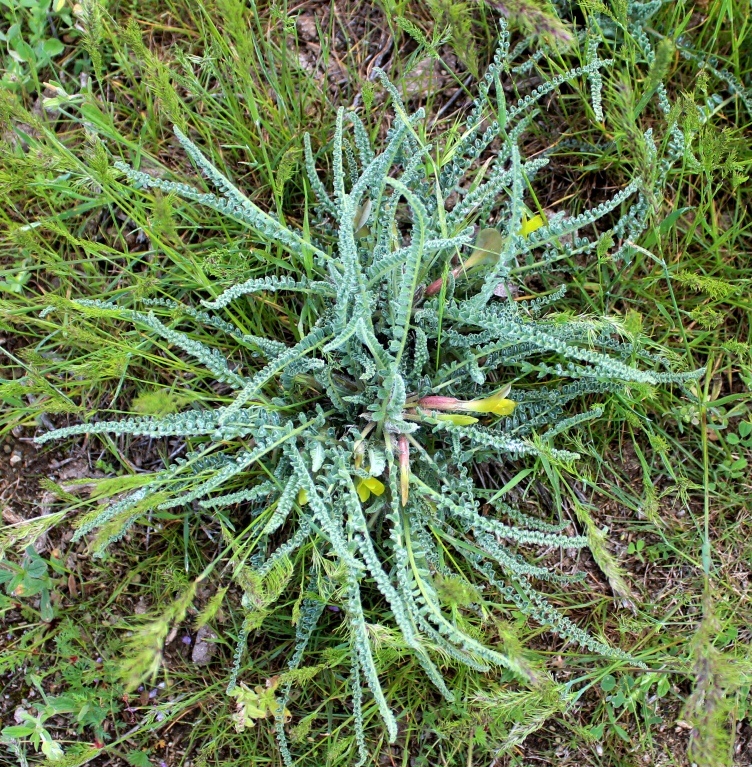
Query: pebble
205	647
16	458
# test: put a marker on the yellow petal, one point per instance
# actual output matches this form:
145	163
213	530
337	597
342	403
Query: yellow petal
503	407
302	496
363	492
497	404
374	485
456	419
536	222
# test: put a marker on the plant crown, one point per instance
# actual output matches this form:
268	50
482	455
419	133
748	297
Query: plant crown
367	429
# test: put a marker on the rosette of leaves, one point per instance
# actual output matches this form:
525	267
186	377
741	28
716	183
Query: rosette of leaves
369	427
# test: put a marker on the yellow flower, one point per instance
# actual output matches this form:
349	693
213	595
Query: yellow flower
367	486
536	222
302	496
497	404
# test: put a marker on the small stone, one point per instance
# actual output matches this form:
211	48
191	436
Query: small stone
11	517
204	647
16	458
306	25
6	449
505	290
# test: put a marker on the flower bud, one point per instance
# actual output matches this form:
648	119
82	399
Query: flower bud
457	419
498	404
404	464
440	403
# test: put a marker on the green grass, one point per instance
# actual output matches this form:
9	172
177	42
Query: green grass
664	480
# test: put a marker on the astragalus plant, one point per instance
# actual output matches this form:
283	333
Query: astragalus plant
369	429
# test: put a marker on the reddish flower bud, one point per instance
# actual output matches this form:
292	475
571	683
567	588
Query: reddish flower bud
437	402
